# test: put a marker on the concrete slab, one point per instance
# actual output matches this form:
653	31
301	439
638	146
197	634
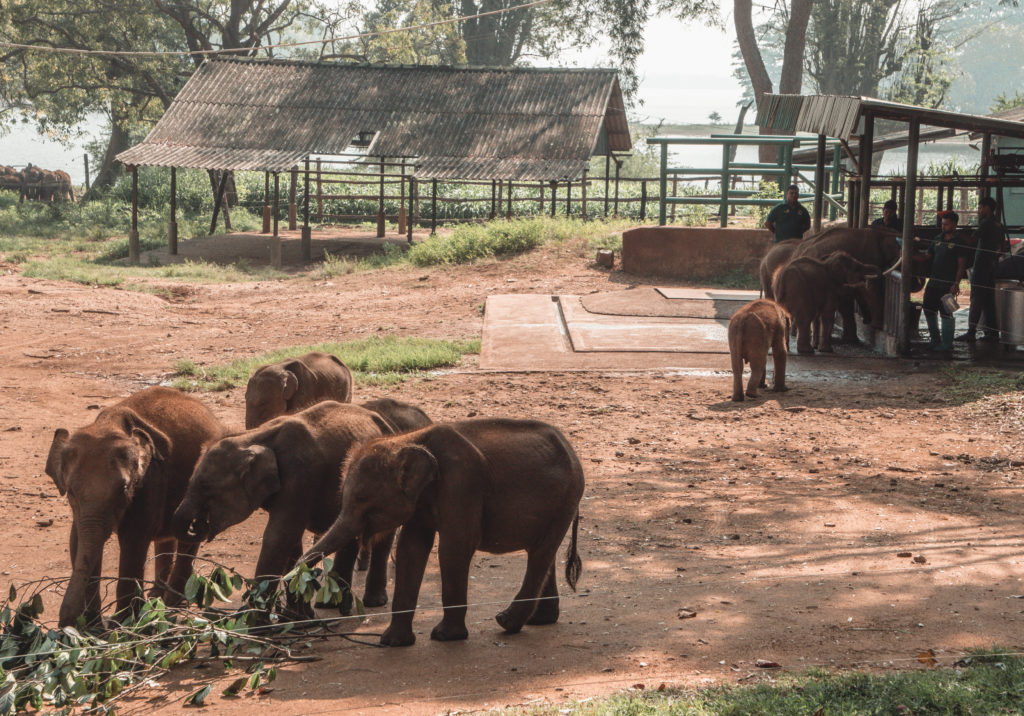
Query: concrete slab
589	332
707	294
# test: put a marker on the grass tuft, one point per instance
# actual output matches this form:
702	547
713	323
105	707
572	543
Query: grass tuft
374	361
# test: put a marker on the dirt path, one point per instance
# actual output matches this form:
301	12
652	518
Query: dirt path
778	522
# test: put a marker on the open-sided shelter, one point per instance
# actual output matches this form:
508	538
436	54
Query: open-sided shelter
448	122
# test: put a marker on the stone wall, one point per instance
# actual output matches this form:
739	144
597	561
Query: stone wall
693	253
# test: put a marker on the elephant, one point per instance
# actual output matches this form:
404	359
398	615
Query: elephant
402	416
291	467
809	289
290	385
32	183
779	255
10	179
126	473
496	485
870	245
62	189
758	326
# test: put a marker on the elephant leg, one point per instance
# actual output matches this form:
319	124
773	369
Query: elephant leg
803	337
828	319
414	544
454	556
547	607
375	593
737	374
757	371
849	320
779	361
539	562
344	564
363	562
163	561
131	567
185	554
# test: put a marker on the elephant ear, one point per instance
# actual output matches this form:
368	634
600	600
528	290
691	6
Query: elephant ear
54	461
416	468
260	476
385	425
154	442
295	373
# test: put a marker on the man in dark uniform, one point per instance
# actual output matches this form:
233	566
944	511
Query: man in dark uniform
788	220
889	219
983	275
948	251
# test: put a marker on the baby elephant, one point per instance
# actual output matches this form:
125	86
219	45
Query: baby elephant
494	485
291	467
126	473
402	416
290	385
758	326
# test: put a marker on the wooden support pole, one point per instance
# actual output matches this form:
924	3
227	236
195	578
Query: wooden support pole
723	207
494	195
986	150
663	185
583	190
501	194
307	235
319	190
87	182
275	246
618	168
834	179
851	203
218	201
541	200
412	194
906	330
172	227
266	203
293	209
380	203
133	235
554	197
433	208
607	170
819	184
508	210
401	202
643	200
568	199
867	141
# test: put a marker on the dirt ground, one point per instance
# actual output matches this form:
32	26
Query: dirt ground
777	521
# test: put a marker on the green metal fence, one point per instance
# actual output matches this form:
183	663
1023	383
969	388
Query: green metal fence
783	168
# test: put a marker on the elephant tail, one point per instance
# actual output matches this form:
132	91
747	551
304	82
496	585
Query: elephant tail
573	563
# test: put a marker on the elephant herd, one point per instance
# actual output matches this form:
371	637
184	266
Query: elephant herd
158	468
804	282
37	184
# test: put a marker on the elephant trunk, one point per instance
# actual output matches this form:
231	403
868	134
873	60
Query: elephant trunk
339	535
190	524
85	573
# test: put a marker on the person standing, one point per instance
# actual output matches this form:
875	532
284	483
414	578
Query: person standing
788	220
889	219
983	275
948	252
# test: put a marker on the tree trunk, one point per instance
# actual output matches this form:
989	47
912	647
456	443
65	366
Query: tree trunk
792	77
746	37
109	169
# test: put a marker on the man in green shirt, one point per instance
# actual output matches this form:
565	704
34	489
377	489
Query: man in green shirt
788	220
948	251
983	274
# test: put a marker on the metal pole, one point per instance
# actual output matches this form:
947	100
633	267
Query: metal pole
867	141
133	235
907	267
819	184
172	228
307	234
275	247
663	185
433	204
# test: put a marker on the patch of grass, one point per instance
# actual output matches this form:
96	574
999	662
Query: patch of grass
332	266
987	684
375	361
967	384
64	267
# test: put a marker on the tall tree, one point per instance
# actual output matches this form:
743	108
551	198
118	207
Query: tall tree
853	45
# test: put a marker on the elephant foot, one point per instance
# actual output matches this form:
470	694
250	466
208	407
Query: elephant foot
508	621
738	397
397	637
781	388
375	599
547	613
449	632
751	393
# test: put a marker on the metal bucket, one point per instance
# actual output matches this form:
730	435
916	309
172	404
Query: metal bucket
1010	312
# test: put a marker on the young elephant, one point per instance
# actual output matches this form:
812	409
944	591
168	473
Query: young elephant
758	326
777	256
809	289
290	385
291	467
403	417
126	473
494	485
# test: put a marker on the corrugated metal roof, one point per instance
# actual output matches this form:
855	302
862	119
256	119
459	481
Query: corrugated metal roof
838	116
524	123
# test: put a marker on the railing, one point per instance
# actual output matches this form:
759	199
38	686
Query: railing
783	168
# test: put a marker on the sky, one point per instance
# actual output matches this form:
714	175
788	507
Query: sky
685	74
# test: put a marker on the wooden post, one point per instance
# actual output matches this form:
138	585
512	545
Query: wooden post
906	330
618	167
583	189
723	207
607	169
433	208
851	203
867	140
986	150
508	211
412	193
568	198
401	201
501	194
494	194
663	185
275	247
133	235
307	235
675	189
87	182
819	184
218	201
266	203
643	200
837	162
319	191
541	200
293	209
554	197
380	203
172	228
